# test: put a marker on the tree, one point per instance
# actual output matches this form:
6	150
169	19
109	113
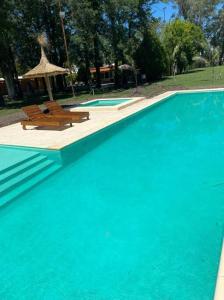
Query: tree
109	31
114	19
7	60
88	24
126	22
182	41
150	57
33	18
215	33
197	11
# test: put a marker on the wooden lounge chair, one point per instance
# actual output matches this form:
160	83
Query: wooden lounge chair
55	109
35	117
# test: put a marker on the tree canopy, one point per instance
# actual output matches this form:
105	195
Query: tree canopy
109	32
197	12
182	40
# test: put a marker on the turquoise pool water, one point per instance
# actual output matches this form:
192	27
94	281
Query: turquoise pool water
138	217
111	102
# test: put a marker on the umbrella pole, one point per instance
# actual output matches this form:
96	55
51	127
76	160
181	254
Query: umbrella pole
48	84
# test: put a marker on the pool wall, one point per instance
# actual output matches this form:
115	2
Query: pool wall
81	147
52	154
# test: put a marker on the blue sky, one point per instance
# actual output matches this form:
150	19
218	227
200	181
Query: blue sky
158	10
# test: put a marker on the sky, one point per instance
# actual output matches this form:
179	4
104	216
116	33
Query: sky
158	10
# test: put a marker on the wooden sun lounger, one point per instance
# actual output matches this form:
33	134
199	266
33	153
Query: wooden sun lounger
55	109
37	118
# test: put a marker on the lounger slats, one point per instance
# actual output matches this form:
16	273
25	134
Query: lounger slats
35	117
56	110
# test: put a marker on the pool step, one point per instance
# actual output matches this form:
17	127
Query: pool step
24	175
20	168
14	159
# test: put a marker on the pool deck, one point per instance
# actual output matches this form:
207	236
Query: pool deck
14	135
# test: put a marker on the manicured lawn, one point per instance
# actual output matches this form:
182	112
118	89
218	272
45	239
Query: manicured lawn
199	78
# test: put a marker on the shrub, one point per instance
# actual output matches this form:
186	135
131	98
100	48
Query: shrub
199	62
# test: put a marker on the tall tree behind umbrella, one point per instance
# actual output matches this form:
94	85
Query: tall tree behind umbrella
7	58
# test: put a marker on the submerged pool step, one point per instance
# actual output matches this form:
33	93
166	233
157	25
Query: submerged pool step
27	185
14	161
22	167
18	179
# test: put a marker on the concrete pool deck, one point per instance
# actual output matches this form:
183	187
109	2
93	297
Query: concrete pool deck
14	135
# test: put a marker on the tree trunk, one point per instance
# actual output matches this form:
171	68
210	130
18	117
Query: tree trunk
87	67
97	61
116	76
18	88
10	84
96	42
7	67
115	48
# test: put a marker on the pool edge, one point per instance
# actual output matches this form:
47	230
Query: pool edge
219	289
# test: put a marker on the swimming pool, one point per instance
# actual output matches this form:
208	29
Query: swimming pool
109	103
139	215
106	102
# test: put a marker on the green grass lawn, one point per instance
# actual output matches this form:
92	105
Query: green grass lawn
210	77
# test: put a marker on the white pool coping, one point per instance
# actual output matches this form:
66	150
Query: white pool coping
130	101
219	289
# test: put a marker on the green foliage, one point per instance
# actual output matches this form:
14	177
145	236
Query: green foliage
32	18
83	74
104	32
182	41
151	57
86	47
213	55
199	62
197	11
215	32
71	78
110	35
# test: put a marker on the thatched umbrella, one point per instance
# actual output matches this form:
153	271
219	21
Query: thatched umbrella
127	67
45	68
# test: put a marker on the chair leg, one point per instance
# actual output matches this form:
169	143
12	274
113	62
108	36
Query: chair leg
70	124
24	127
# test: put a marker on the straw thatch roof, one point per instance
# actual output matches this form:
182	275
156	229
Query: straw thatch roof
44	68
126	67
